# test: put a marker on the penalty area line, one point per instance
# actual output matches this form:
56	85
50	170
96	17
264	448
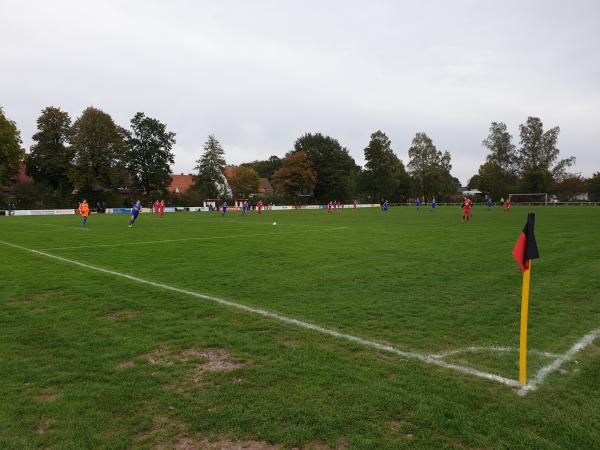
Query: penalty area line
272	315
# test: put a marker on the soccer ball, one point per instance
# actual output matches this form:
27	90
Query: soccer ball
274	223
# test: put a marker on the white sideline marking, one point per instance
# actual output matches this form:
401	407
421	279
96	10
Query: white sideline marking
493	350
231	236
555	365
307	325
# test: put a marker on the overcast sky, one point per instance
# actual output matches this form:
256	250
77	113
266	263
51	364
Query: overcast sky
258	74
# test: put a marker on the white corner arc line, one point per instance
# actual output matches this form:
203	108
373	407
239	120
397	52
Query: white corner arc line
492	349
306	325
201	238
539	378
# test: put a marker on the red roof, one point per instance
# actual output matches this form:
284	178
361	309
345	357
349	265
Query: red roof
229	172
264	187
20	178
181	183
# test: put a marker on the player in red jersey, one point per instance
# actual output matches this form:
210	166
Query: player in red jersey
467	205
155	207
507	205
354	205
329	208
161	207
260	207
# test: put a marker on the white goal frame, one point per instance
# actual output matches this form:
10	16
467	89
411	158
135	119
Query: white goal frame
545	201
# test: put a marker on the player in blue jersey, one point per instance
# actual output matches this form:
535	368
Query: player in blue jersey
386	206
489	203
135	211
224	209
433	205
418	203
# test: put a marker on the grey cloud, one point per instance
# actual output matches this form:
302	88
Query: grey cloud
259	74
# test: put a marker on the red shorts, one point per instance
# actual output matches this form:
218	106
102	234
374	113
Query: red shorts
467	211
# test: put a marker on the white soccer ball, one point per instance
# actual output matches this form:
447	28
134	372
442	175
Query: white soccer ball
274	223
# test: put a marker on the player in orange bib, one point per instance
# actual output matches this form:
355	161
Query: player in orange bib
84	211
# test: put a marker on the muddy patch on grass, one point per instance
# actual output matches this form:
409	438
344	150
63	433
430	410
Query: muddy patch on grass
210	360
399	427
161	427
160	357
217	359
185	442
126	364
44	425
122	315
168	434
317	445
47	397
199	361
38	297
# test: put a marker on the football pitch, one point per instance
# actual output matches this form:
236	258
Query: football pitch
352	330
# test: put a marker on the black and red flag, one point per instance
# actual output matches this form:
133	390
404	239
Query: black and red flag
526	247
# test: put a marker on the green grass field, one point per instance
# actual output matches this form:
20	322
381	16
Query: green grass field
90	359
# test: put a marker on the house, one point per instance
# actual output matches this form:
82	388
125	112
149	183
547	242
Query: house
229	172
20	178
264	187
181	183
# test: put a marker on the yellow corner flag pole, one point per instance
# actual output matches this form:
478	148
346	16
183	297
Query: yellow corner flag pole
524	313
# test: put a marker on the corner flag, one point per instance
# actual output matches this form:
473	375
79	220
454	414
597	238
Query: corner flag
525	250
526	247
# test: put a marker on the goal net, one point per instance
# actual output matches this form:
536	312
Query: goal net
539	197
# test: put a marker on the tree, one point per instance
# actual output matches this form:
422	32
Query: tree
537	157
497	175
297	175
568	186
593	187
492	179
336	170
99	150
430	168
150	153
502	150
11	152
384	174
244	181
51	158
210	169
266	168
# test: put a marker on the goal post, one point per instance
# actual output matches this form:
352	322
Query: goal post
538	197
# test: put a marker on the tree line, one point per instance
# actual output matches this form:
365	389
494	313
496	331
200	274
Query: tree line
533	166
94	157
320	169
